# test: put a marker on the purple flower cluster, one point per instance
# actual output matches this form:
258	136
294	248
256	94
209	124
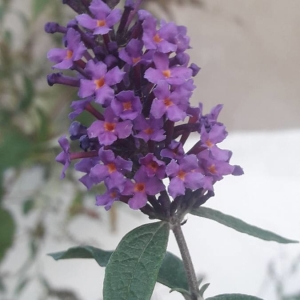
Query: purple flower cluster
135	81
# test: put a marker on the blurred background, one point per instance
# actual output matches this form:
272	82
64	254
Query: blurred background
249	54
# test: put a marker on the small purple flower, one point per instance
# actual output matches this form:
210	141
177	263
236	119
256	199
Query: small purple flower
142	187
215	169
161	40
182	40
78	107
209	120
174	151
85	165
76	130
149	129
209	140
66	57
173	104
174	75
112	167
152	166
64	156
185	174
104	20
133	54
100	82
109	130
126	105
109	197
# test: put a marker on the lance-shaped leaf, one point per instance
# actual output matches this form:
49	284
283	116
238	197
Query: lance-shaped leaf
233	297
7	231
133	268
171	272
101	256
239	225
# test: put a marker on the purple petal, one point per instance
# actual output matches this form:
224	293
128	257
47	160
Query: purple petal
237	171
102	30
166	47
172	168
175	114
95	129
107	138
86	21
87	88
138	201
114	76
104	95
194	180
158	108
57	54
99	172
162	90
189	162
154	75
176	187
79	51
99	9
114	17
154	186
106	156
161	61
124	129
95	70
87	181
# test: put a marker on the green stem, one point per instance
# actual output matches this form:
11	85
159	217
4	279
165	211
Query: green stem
187	261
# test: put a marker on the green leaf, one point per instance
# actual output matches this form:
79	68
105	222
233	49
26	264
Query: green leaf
133	268
239	225
28	93
292	297
27	206
44	126
7	231
172	273
233	297
2	285
15	147
102	257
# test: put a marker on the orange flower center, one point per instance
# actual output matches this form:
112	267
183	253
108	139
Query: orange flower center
209	143
69	54
127	105
181	174
101	23
136	59
167	73
149	130
111	167
168	102
157	38
139	187
113	195
153	165
109	126
212	169
99	83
